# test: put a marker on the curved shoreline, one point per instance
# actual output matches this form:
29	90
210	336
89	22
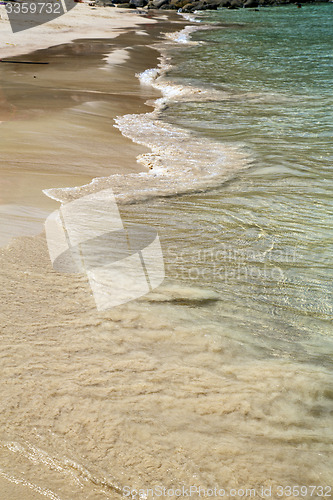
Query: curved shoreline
184	386
24	253
178	162
55	134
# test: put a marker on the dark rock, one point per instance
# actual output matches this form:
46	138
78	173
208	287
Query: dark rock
125	6
189	7
249	4
178	4
138	3
192	5
156	4
235	4
197	5
213	4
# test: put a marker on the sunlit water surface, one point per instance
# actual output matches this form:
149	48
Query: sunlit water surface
222	376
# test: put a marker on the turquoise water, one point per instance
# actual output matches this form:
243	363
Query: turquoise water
261	240
264	238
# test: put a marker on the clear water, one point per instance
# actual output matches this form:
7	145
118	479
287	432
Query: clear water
265	238
232	388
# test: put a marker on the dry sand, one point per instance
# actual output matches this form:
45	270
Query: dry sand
57	125
81	22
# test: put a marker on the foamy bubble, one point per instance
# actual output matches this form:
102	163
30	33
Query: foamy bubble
183	36
176	92
148	76
179	161
189	17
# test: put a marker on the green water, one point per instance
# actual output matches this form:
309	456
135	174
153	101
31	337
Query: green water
261	240
267	233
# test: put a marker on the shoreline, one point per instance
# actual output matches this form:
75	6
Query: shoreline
31	251
117	59
183	386
166	170
81	22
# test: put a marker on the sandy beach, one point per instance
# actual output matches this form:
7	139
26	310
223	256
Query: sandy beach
81	22
59	148
35	102
203	382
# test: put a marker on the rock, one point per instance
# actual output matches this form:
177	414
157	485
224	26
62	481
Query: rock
156	4
235	4
138	3
192	5
212	4
196	5
250	4
178	4
103	3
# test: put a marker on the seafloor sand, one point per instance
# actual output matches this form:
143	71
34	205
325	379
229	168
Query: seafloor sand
56	126
160	391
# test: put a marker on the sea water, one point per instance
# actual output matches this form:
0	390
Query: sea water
247	98
255	86
222	377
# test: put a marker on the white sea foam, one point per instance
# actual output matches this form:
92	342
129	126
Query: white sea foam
174	91
189	17
183	36
148	76
179	162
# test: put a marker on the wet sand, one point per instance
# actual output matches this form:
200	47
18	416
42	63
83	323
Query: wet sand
150	393
58	120
56	131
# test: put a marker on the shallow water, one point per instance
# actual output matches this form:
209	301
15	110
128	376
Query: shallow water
221	377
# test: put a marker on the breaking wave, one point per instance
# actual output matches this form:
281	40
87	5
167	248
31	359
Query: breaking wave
179	162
